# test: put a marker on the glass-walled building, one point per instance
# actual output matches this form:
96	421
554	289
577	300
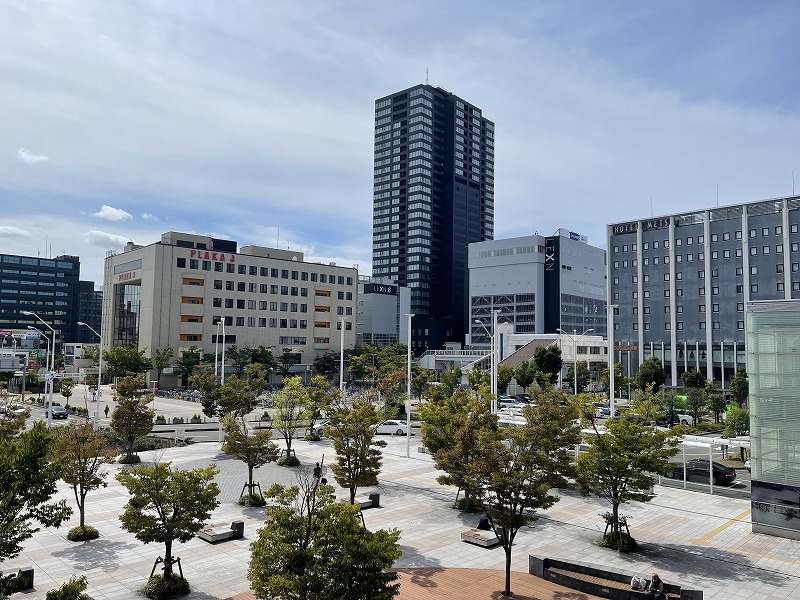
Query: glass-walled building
773	366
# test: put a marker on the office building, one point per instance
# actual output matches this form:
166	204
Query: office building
90	306
49	287
538	284
682	281
433	195
190	290
773	367
382	312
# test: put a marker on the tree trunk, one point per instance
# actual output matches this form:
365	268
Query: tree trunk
507	548
250	479
615	528
167	559
353	495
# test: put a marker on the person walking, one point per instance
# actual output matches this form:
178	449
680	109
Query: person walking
105	410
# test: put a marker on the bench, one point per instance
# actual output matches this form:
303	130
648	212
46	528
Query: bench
373	501
216	532
605	583
480	537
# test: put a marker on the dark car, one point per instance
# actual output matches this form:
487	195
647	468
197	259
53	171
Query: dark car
58	412
524	398
698	470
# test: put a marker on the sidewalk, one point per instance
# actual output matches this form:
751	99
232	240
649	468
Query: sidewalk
701	541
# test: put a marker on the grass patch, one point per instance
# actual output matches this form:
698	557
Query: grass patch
82	534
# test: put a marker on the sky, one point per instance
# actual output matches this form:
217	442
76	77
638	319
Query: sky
254	120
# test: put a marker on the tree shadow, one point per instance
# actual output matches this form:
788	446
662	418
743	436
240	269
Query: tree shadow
422	576
85	556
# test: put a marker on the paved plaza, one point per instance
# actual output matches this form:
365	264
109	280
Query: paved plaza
690	538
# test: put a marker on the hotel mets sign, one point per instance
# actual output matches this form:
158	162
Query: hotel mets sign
646	225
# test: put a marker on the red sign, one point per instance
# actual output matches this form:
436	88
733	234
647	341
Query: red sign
127	276
218	256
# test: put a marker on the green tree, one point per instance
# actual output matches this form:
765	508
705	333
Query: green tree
420	380
740	386
619	463
262	356
67	386
515	475
716	405
240	357
478	378
650	375
668	403
450	380
504	376
620	380
313	548
327	364
584	377
525	374
452	429
27	485
167	506
187	362
738	422
358	457
161	359
293	410
696	403
83	452
132	418
91	352
74	589
125	360
286	361
547	360
693	379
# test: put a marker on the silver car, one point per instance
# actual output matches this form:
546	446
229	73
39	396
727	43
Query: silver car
392	427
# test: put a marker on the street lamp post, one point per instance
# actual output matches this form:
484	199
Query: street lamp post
222	365
341	355
408	390
216	351
51	366
611	363
99	376
493	358
575	342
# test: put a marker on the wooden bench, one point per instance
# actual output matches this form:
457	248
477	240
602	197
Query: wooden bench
216	532
615	585
480	537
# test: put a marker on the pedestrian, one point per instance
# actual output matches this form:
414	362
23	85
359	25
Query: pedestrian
655	588
317	471
105	410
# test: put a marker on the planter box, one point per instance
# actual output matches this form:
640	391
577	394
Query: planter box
177	420
479	537
195	421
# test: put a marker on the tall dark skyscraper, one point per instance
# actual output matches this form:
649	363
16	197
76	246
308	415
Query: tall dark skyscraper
433	195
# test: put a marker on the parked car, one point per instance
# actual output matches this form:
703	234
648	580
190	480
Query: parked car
524	398
392	427
685	419
12	408
320	427
510	411
509	403
603	411
58	412
698	469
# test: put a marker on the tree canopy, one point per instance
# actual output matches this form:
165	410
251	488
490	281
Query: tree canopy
126	360
547	360
132	417
650	375
293	410
740	386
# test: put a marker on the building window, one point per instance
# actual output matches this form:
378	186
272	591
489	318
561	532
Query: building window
715	324
667	326
679	292
740	289
635	310
635	295
753	251
701	291
739	271
793	228
701	308
765	250
646	278
754	270
218	284
740	306
666	293
714	255
647	310
714	237
646	245
701	274
715	308
738	235
679	309
679	276
753	233
228	302
180	263
779	249
726	254
715	272
666	276
678	241
647	326
795	286
753	288
795	267
240	304
779	268
740	325
679	325
778	229
780	286
636	327
738	253
647	293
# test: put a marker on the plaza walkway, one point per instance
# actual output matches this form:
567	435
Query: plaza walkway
701	541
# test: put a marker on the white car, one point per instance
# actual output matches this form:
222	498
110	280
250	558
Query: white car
392	427
320	427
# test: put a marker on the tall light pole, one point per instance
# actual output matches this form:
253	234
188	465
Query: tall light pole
222	377
51	366
216	350
494	357
99	376
575	342
342	321
408	390
611	363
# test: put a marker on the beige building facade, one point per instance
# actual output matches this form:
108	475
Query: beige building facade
185	289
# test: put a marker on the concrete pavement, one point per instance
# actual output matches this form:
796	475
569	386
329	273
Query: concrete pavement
688	537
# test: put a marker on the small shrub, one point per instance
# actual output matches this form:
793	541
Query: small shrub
158	587
133	459
72	590
161	418
252	500
612	541
82	534
288	461
313	437
467	505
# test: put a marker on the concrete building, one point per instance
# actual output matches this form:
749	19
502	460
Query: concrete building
433	195
382	312
185	290
682	281
538	284
773	367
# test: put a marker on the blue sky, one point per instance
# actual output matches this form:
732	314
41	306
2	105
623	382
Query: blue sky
253	120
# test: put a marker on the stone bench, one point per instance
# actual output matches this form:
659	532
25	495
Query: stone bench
605	583
217	532
373	501
480	537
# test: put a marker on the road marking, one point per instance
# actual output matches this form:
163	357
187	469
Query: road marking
723	527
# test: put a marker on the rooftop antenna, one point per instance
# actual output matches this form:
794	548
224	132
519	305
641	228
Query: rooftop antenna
651	206
426	75
717	195
278	240
792	182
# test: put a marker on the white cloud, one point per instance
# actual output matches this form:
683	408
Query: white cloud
109	213
12	231
105	239
29	158
150	217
